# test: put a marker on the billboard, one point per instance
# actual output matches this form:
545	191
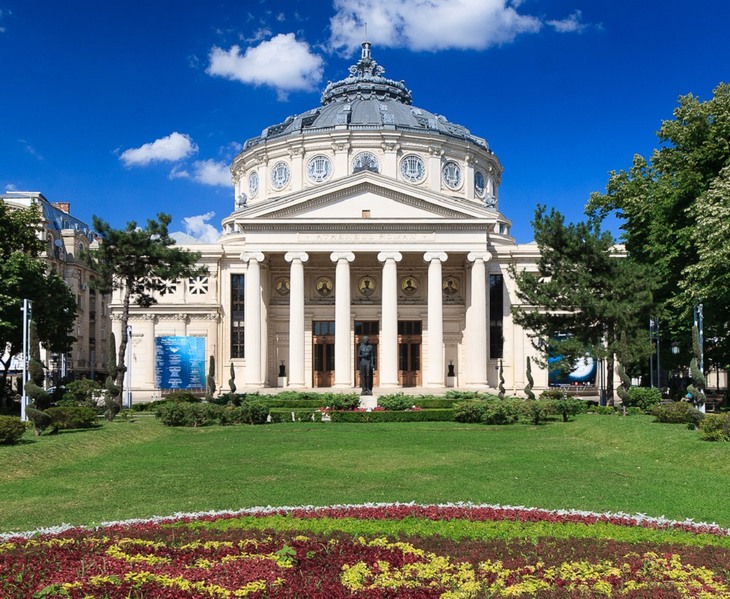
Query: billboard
583	372
180	362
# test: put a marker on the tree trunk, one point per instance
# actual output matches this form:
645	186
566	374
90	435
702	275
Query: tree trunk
609	380
121	369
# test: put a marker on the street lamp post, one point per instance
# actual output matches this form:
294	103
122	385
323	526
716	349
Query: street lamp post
654	337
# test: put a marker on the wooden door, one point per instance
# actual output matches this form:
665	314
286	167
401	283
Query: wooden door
323	353
409	353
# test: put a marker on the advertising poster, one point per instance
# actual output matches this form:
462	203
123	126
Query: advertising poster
180	362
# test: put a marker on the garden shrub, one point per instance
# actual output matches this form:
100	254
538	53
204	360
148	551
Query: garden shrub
453	394
395	402
568	406
84	392
67	418
603	410
300	415
11	430
634	411
175	413
469	411
254	412
41	398
502	411
400	416
183	396
715	427
677	412
553	393
40	419
537	410
343	402
643	397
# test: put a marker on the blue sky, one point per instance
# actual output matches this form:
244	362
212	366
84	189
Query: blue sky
126	109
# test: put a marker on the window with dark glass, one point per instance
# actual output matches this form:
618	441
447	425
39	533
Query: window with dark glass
238	302
496	311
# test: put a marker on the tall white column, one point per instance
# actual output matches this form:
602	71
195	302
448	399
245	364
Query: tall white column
476	320
252	337
435	374
343	311
388	341
296	317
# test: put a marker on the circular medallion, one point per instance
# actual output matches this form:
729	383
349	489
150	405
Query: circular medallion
413	169
253	183
365	161
366	286
280	175
451	175
451	286
282	286
324	286
409	286
319	168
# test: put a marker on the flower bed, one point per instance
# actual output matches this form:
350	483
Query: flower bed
372	551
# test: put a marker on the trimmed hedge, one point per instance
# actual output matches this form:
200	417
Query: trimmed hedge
677	412
384	416
67	418
11	430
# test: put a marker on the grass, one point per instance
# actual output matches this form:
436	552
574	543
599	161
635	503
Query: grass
138	469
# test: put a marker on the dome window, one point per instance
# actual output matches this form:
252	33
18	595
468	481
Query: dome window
451	175
365	161
319	168
480	185
413	169
280	175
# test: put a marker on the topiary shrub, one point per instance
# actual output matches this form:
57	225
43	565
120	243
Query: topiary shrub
83	392
73	417
40	419
11	430
643	397
568	407
677	412
396	402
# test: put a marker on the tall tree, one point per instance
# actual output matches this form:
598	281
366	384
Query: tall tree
584	294
674	210
24	275
140	263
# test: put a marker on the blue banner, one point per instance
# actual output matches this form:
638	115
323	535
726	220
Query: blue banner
180	362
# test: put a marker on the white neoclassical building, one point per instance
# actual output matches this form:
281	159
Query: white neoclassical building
363	216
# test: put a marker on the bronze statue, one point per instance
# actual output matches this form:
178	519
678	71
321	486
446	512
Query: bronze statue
365	358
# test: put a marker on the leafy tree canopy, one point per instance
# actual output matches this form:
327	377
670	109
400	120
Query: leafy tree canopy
674	210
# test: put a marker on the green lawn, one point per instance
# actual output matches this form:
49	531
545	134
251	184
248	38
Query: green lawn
137	469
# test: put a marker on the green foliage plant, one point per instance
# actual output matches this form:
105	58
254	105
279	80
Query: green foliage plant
537	410
40	419
469	411
554	393
715	427
11	430
232	380
569	407
643	397
210	381
677	412
83	392
39	396
67	418
254	412
436	415
396	401
503	411
501	380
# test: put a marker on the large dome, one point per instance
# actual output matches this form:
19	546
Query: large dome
366	100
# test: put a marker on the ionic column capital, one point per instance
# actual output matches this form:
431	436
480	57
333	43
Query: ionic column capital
337	256
385	256
248	256
291	256
483	256
431	256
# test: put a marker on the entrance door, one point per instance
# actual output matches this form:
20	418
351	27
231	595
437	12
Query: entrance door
371	328
409	353
323	350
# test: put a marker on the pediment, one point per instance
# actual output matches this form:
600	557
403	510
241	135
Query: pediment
366	195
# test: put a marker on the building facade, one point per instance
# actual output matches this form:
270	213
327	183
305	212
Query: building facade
363	216
66	238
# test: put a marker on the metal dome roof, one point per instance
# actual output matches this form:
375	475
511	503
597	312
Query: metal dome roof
365	100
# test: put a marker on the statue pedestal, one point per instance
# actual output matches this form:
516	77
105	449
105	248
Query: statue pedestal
368	402
281	381
451	381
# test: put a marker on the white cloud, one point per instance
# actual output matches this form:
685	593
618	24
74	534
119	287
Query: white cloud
207	172
281	62
175	146
571	24
430	25
198	227
30	149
